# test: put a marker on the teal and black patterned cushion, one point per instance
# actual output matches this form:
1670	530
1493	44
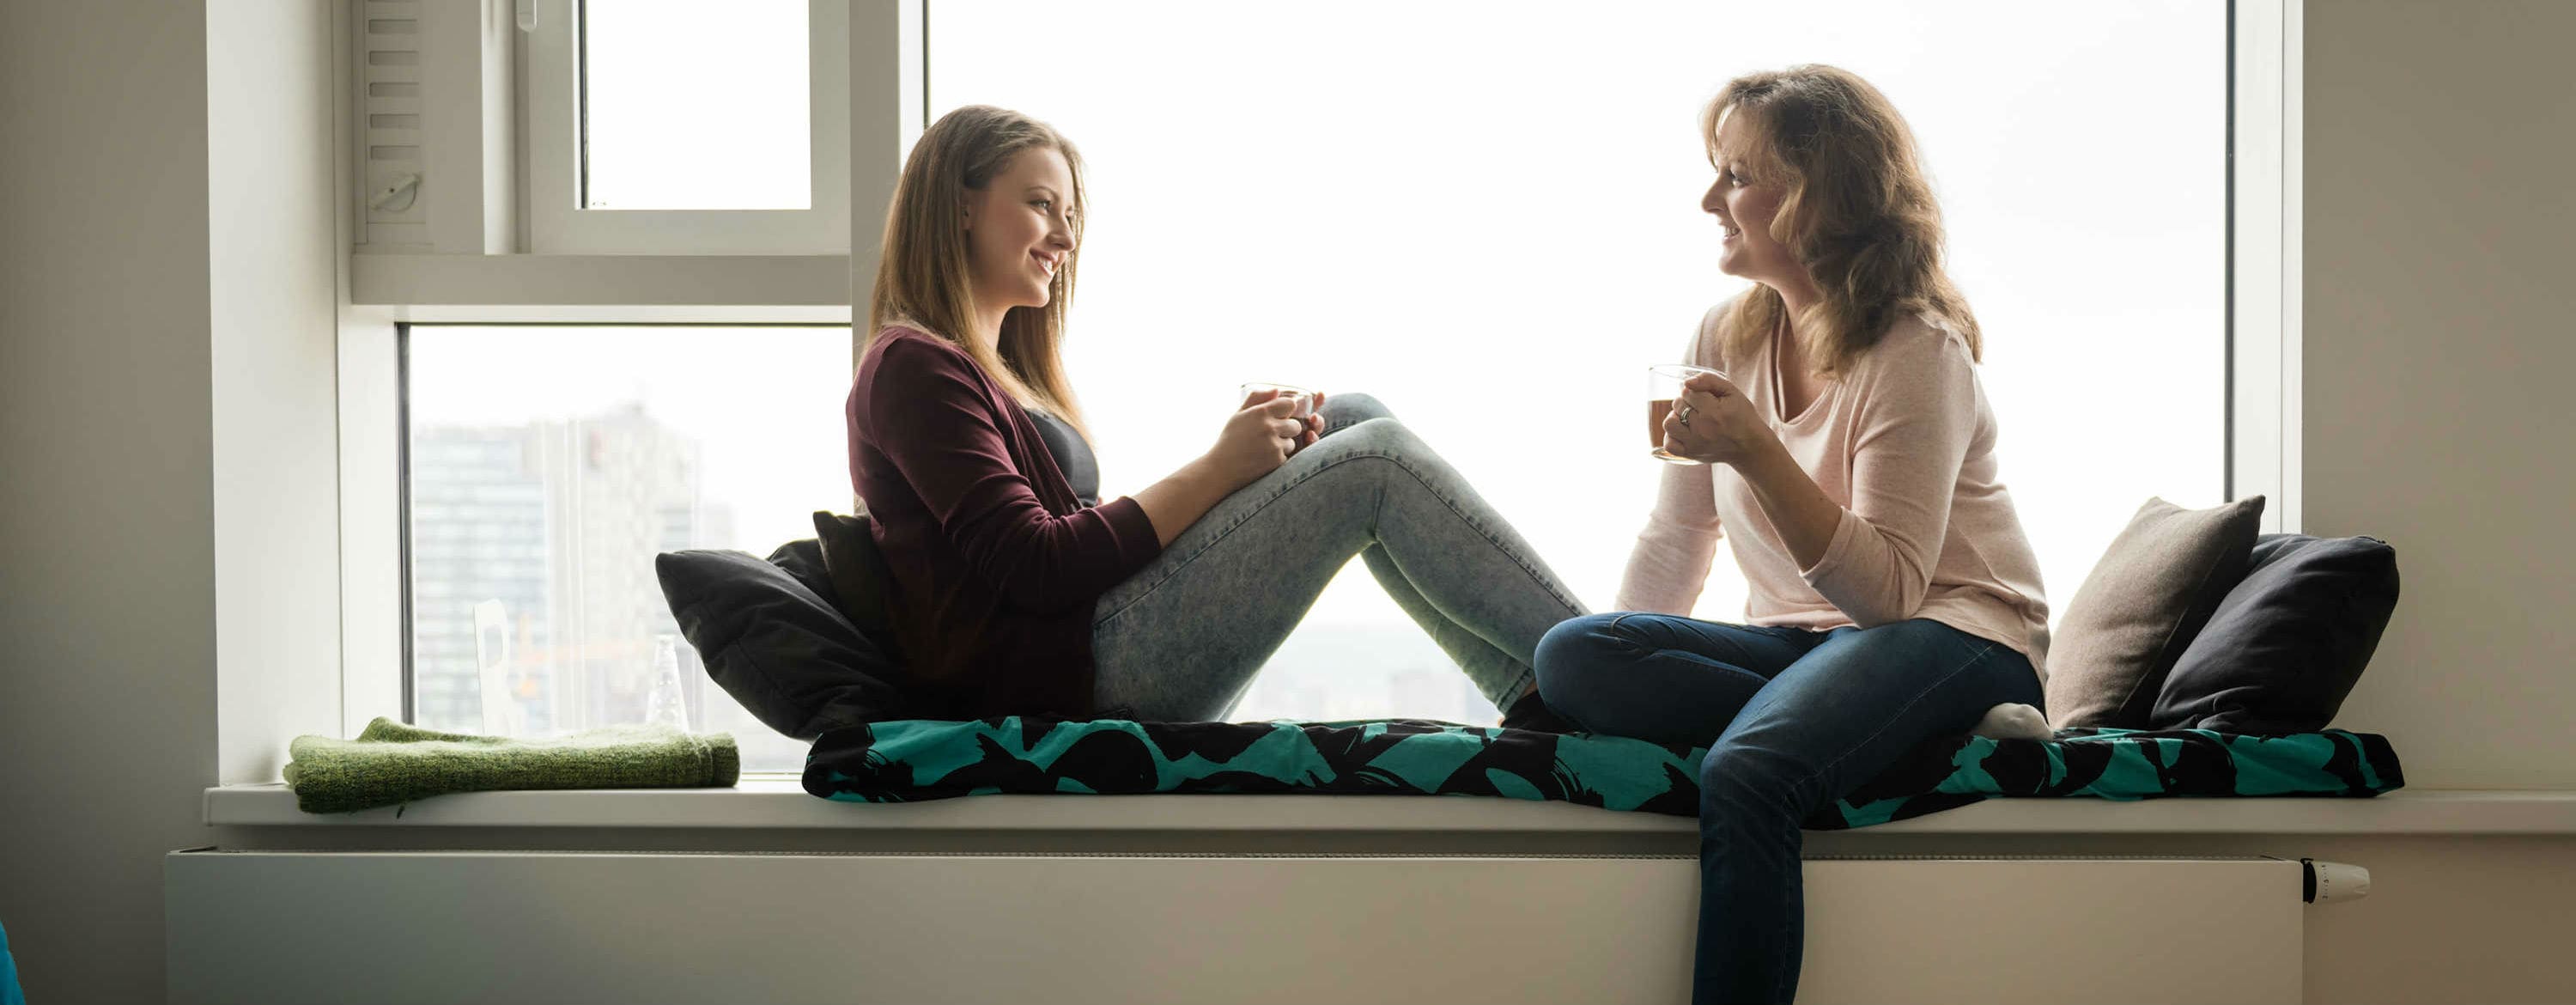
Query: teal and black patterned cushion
912	760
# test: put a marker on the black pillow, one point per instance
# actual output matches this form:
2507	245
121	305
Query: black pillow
803	560
862	587
775	644
2288	643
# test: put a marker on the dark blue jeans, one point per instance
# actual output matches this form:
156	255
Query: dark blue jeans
1793	719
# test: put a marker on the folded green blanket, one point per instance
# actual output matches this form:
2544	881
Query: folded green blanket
393	763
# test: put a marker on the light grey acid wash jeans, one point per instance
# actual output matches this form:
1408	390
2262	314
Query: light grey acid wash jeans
1181	640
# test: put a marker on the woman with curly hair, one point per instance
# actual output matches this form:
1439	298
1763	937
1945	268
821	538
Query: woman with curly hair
1846	451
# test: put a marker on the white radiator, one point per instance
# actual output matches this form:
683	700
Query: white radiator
487	927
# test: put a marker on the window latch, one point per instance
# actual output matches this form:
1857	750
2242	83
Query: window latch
402	188
527	15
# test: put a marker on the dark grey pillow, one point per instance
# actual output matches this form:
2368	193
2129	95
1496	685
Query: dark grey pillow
862	587
2140	607
2289	642
803	560
775	644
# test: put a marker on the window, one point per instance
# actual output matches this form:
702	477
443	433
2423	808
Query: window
677	127
685	106
1487	216
547	465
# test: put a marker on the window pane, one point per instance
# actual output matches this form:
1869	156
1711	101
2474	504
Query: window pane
692	105
1487	215
550	464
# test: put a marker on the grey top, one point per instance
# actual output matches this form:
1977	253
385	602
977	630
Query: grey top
1072	456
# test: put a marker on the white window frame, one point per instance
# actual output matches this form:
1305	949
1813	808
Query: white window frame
2264	281
558	225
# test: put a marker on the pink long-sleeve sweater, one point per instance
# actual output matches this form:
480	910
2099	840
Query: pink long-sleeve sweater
1905	443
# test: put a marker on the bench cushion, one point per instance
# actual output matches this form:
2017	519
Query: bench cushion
912	760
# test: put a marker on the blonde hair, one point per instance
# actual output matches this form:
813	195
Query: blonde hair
1859	213
924	278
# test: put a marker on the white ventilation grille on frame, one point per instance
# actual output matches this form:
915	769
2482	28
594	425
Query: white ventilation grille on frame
393	191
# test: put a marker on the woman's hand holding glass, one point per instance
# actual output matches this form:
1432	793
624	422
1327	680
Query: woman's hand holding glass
1712	423
1262	434
1309	409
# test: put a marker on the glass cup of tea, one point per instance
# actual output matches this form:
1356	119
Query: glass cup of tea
1305	398
1663	387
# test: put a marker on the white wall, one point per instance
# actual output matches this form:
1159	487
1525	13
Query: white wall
107	578
274	256
2440	347
2437	415
2449	918
167	292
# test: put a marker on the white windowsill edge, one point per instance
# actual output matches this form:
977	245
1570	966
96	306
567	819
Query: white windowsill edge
617	281
779	803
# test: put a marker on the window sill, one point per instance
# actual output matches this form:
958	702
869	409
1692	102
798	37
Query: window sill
623	281
777	802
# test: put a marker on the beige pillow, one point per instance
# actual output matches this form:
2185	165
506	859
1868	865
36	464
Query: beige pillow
2141	606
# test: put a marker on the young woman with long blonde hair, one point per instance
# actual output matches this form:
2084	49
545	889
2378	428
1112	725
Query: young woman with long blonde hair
1017	592
1848	455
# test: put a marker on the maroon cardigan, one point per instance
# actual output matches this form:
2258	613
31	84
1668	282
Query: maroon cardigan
996	567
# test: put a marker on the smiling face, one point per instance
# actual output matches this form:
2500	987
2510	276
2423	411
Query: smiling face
1745	199
1019	231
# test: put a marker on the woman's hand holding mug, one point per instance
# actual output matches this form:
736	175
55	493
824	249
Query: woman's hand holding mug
1712	423
1310	408
1261	435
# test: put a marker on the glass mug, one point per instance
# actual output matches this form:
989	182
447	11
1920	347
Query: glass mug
1305	398
1663	387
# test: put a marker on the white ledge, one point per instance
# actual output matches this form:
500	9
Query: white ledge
614	280
778	803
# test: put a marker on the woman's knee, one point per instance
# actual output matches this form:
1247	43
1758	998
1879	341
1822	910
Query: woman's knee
1383	437
1746	780
1573	658
1351	408
1352	468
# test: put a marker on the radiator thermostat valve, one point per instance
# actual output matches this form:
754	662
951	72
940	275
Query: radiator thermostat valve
2330	882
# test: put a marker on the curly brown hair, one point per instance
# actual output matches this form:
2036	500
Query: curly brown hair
1859	213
